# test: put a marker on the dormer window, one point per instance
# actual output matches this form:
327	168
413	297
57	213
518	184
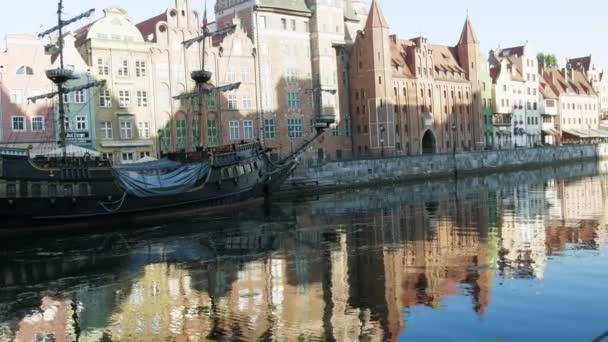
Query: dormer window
25	70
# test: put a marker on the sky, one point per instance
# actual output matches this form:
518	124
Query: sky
572	30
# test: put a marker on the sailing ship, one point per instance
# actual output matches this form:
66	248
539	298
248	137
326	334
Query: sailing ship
61	187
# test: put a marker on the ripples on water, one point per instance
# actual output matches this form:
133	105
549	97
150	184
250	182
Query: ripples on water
508	257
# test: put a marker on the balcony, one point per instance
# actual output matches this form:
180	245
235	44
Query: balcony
501	119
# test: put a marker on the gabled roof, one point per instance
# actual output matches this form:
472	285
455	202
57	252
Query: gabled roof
545	88
568	82
375	19
468	35
580	62
148	27
514	51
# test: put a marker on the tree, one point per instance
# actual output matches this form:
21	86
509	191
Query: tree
547	60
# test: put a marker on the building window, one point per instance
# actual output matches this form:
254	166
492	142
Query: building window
294	128
293	25
233	102
293	100
16	96
124	98
212	133
103	67
347	128
292	75
123	69
106	130
234	130
126	129
144	129
67	98
335	131
210	100
142	98
284	24
81	123
247	103
18	123
269	129
105	100
263	23
68	190
37	123
248	129
245	74
231	74
140	69
128	157
180	133
25	71
79	96
143	155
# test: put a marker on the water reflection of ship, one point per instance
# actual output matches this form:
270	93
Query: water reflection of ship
345	276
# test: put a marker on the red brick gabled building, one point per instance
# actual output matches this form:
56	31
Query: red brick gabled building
410	97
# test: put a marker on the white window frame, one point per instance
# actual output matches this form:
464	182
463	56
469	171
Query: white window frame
143	128
295	128
269	129
23	121
124	98
123	68
233	102
234	128
105	99
141	69
142	98
103	66
247	102
80	96
82	123
126	129
248	129
16	96
127	160
106	130
42	128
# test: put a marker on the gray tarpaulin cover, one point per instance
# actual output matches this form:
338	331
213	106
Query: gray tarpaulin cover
159	178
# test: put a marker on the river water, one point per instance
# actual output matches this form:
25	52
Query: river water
509	257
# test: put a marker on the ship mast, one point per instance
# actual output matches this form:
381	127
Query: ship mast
61	75
202	77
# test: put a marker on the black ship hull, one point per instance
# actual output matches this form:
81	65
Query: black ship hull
94	196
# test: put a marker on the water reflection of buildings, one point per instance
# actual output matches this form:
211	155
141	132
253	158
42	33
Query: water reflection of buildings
335	277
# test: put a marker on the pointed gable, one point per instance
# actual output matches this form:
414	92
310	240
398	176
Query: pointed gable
375	19
468	35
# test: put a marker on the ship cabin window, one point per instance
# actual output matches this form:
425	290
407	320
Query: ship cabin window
36	190
52	190
248	168
83	190
255	165
11	190
231	172
240	170
68	190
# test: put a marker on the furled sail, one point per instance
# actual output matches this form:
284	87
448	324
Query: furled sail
159	178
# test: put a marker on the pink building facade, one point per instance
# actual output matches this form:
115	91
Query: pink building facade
22	74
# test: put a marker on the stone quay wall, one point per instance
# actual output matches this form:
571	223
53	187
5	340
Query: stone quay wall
353	173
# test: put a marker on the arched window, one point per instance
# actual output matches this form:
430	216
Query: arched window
25	70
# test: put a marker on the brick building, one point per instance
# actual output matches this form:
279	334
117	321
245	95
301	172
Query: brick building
410	96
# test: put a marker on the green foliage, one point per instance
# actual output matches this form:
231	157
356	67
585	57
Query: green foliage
548	60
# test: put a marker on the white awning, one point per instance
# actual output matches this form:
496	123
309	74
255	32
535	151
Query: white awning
587	133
